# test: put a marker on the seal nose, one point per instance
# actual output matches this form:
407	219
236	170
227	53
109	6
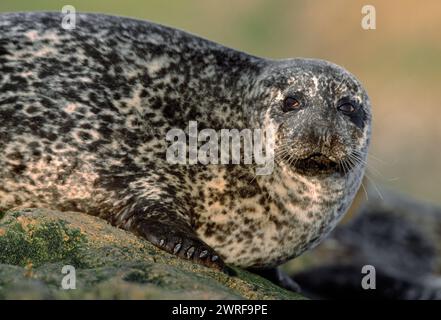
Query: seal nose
322	128
323	138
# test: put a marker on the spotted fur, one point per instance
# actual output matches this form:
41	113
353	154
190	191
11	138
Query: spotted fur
84	115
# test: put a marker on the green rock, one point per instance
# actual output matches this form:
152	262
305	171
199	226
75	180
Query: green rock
110	263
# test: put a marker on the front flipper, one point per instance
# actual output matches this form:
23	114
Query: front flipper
154	206
173	234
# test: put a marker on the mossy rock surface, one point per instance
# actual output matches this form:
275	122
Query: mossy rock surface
110	263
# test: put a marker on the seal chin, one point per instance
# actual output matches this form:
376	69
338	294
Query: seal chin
317	164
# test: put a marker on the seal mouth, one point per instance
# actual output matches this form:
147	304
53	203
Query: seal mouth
317	163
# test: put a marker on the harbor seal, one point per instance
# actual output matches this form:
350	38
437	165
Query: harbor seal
84	115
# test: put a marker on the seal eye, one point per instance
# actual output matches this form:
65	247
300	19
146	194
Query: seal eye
353	111
346	108
290	104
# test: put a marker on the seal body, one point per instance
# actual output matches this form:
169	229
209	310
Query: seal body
84	114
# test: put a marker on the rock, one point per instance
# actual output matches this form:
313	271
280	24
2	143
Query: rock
110	263
397	235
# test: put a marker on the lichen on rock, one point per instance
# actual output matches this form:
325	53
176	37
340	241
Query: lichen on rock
110	263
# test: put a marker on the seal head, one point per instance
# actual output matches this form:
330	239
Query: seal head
321	119
321	112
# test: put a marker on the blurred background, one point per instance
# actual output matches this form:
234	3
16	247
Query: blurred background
399	63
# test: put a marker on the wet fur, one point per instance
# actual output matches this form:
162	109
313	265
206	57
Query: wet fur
83	118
